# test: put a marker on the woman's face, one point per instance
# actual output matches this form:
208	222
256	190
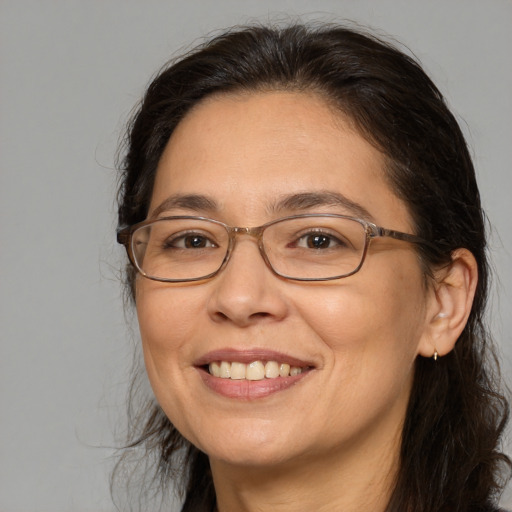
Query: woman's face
244	159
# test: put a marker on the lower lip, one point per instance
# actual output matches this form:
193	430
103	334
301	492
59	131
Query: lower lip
249	389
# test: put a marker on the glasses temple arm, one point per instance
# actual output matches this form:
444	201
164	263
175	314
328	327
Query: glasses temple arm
405	237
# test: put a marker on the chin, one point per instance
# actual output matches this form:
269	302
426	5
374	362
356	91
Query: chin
253	445
252	457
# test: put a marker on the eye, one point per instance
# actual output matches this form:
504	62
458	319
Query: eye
189	241
319	240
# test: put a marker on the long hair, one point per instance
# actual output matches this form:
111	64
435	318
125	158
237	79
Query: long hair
450	458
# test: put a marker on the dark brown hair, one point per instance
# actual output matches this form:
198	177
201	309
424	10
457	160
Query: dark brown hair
450	459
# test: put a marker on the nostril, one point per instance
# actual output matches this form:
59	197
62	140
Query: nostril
221	316
260	315
254	317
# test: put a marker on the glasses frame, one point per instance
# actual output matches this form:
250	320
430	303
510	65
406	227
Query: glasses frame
125	237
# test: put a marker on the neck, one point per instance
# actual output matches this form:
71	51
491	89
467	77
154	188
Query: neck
360	478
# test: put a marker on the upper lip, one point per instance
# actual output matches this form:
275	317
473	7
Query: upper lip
248	356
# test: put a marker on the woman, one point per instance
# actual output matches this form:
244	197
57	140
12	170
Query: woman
333	356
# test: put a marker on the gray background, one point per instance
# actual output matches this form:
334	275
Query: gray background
70	73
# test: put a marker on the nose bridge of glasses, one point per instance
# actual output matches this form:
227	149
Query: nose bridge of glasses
254	232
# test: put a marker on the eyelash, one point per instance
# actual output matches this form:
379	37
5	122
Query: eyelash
320	232
171	242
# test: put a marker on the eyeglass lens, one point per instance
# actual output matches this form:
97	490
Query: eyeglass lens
302	248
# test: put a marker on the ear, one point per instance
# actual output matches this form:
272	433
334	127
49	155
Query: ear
449	304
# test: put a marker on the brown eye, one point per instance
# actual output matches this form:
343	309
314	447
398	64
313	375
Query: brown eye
318	241
189	241
195	242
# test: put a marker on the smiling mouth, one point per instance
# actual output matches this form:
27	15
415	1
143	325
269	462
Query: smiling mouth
256	370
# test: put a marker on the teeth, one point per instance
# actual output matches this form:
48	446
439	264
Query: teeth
257	370
215	369
284	370
225	370
271	370
237	371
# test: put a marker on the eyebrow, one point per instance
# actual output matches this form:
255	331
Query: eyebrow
195	202
301	201
309	200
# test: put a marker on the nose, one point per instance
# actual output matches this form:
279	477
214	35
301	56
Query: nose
246	291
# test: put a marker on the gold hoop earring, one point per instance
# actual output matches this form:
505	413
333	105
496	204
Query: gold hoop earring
436	354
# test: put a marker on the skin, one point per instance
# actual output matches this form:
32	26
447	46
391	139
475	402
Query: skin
331	441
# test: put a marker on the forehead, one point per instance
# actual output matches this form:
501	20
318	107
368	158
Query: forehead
248	150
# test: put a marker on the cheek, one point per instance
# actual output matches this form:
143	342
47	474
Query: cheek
377	315
165	322
164	314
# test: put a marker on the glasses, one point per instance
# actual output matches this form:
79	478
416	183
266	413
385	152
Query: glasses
308	247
